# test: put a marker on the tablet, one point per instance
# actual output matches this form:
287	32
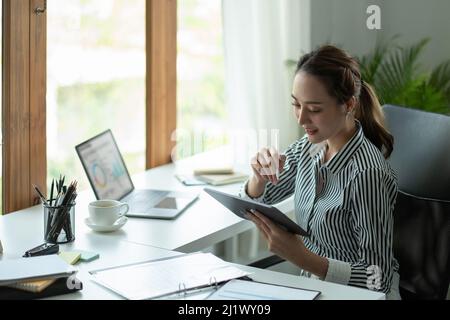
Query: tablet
240	207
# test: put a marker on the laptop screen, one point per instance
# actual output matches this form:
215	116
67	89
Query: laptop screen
105	167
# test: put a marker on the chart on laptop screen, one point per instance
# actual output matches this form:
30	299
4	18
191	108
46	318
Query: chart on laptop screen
104	166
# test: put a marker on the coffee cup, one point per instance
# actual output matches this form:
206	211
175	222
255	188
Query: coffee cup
106	212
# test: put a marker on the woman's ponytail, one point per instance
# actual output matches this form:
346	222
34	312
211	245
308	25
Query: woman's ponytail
370	114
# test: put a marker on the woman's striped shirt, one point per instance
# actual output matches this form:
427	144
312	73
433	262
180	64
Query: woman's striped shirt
346	205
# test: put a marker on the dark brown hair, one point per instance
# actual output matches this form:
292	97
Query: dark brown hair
341	76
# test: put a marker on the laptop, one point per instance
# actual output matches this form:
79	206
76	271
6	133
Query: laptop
109	179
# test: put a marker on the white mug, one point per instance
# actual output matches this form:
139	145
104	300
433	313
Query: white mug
106	212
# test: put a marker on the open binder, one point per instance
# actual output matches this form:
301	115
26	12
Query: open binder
177	275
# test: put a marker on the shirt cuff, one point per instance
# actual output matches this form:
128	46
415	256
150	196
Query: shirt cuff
338	271
244	195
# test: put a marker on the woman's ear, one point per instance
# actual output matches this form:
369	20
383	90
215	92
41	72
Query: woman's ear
350	105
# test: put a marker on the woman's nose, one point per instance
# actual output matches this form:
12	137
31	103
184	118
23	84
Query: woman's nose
301	116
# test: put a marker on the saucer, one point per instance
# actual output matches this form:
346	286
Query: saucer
99	228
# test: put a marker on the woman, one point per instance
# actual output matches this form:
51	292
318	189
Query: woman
344	189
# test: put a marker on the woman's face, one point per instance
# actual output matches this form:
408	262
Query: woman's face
316	111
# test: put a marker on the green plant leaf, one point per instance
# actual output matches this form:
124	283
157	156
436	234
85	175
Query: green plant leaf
370	63
440	78
398	70
395	74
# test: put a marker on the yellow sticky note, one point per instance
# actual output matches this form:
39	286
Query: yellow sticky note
70	257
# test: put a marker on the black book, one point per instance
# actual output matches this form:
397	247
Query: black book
59	287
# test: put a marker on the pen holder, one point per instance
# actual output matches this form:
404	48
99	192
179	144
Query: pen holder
59	223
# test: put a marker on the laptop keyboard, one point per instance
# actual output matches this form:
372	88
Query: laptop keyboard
143	201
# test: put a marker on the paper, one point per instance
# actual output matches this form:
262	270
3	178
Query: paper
87	256
51	266
155	279
250	290
70	257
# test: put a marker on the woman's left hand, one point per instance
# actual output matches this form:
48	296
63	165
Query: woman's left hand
285	244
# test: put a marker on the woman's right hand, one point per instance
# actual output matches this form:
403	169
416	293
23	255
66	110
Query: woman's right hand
267	164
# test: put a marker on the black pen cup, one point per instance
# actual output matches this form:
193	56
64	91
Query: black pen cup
59	223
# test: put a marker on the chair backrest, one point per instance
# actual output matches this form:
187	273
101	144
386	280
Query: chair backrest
421	246
421	159
421	156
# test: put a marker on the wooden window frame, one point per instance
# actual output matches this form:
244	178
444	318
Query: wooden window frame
161	86
24	95
23	105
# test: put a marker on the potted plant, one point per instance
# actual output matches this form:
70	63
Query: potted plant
396	75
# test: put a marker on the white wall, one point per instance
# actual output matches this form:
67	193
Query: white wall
417	19
343	22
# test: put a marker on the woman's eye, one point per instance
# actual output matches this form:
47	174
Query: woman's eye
314	111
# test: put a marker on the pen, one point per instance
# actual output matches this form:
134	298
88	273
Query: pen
40	194
51	192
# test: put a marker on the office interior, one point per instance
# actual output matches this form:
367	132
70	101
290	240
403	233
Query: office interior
198	84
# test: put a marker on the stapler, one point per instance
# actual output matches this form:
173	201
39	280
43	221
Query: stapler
42	250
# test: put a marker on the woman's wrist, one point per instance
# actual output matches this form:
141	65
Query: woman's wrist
311	262
255	187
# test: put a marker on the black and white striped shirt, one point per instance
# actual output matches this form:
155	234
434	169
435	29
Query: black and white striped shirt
346	205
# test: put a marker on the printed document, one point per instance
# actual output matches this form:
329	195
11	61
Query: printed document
251	290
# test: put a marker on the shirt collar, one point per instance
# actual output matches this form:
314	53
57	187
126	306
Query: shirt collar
340	159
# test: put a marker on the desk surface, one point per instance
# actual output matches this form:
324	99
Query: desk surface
114	251
202	225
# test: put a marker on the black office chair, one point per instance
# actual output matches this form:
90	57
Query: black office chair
421	159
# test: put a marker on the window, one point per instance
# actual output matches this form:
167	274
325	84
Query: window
95	80
24	110
201	110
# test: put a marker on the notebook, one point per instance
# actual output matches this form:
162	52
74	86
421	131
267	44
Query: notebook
59	287
33	268
213	170
164	277
222	179
33	286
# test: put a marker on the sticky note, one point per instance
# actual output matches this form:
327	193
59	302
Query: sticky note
87	256
70	257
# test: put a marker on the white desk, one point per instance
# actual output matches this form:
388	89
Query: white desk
202	225
114	251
